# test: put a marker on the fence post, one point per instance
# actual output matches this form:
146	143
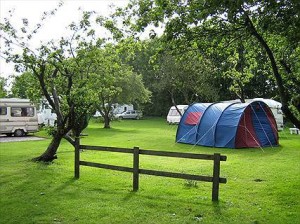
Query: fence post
216	177
77	157
136	168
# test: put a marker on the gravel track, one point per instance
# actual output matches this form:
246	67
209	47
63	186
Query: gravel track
4	138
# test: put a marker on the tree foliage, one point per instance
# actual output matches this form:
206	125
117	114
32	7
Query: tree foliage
188	74
174	76
3	92
113	81
26	86
62	72
216	25
76	74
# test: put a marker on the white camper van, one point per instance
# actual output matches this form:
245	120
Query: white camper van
17	117
117	109
46	117
173	115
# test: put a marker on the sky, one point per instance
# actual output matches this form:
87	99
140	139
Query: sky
55	27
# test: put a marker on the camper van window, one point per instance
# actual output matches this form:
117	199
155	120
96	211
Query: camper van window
3	110
22	111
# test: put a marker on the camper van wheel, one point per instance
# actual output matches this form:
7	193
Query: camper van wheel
18	133
121	118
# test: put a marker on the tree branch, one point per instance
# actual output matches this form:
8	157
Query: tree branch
69	139
41	77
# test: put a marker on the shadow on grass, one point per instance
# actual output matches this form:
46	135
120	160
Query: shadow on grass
66	151
266	151
130	195
66	184
217	207
96	132
160	199
112	129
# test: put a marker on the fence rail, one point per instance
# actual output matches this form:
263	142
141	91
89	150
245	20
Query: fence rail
136	151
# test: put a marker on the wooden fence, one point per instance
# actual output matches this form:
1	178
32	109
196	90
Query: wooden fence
136	151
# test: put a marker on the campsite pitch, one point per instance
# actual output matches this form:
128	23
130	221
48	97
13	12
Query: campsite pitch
262	185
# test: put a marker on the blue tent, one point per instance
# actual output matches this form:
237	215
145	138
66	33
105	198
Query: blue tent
230	125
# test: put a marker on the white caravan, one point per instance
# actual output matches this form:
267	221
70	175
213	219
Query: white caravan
17	117
46	117
117	109
120	108
173	115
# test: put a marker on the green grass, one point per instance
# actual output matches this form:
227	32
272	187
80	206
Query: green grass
263	186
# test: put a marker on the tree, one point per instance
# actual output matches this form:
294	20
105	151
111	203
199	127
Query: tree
63	83
61	71
67	72
143	62
174	76
114	82
272	24
186	74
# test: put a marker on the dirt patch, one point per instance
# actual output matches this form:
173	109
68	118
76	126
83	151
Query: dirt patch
258	180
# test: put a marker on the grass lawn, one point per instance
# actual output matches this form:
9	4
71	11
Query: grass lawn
262	185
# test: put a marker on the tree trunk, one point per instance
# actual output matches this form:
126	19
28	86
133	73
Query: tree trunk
50	154
282	91
106	121
175	104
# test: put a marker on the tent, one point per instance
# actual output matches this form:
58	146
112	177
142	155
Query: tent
229	125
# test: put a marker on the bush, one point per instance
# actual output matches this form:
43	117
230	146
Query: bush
50	130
